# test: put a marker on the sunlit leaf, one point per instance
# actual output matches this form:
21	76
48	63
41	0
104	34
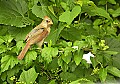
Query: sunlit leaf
28	76
67	58
78	56
116	13
113	70
48	53
67	76
112	1
8	61
71	34
12	13
68	16
31	55
19	33
103	74
41	11
54	35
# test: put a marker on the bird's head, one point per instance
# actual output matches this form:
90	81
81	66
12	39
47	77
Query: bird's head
47	22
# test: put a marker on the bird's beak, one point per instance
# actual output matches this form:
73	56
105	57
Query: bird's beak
51	22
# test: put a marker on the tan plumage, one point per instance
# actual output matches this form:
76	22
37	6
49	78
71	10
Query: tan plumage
36	35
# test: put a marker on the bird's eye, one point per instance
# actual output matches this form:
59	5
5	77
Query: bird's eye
47	21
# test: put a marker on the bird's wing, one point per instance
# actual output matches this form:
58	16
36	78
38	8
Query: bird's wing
37	30
39	37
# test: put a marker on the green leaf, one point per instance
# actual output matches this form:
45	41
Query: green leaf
114	44
67	58
102	12
7	61
80	44
97	22
54	64
65	17
64	6
31	55
116	61
63	64
41	11
102	2
19	33
3	76
52	82
13	71
68	76
3	48
43	80
111	52
112	1
68	16
103	74
113	70
78	56
28	76
48	53
67	51
1	40
3	29
82	80
71	34
54	35
116	13
7	38
20	44
12	13
94	10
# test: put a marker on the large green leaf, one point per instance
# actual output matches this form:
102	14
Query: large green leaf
102	12
103	74
68	76
3	29
19	33
48	53
31	55
41	11
80	44
82	81
67	58
1	40
53	65
78	56
114	44
12	13
71	34
94	10
8	61
113	70
13	71
116	61
68	16
28	76
63	64
54	35
116	13
112	1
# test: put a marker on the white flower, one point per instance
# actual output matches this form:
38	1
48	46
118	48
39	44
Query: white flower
87	57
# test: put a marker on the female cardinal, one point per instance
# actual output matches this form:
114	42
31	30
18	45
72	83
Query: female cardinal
37	35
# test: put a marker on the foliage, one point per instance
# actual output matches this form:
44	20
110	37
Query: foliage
80	27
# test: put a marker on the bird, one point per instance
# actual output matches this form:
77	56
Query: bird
36	36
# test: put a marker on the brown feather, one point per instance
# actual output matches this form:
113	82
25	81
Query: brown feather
37	35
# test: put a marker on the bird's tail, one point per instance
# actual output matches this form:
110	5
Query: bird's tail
23	52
